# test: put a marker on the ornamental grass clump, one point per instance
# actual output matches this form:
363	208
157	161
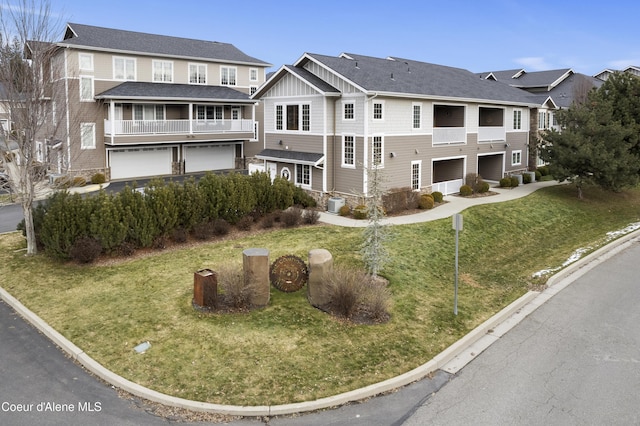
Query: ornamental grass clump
235	295
358	296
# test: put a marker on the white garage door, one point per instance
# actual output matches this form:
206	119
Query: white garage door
131	163
209	157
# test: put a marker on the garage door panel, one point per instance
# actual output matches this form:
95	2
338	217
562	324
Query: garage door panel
209	157
131	163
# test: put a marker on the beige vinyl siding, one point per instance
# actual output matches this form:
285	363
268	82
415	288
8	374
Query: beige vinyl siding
301	143
103	69
348	180
517	142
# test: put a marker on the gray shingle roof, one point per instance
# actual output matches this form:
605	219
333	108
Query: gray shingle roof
409	77
312	79
109	39
539	78
164	91
291	156
565	93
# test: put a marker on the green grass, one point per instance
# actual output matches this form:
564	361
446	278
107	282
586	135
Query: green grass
289	351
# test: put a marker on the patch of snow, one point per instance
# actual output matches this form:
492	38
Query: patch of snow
577	255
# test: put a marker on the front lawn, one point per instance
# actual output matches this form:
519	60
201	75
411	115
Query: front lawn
289	351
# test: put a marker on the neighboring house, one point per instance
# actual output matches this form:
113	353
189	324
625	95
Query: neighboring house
551	90
328	119
142	105
604	74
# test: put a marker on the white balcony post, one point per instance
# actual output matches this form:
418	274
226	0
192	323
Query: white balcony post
190	119
112	116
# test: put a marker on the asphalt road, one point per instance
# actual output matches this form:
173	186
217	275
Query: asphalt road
574	361
10	216
39	385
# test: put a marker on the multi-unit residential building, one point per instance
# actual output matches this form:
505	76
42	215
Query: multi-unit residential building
551	90
140	105
328	120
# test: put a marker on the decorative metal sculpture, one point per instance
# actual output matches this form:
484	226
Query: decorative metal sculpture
288	273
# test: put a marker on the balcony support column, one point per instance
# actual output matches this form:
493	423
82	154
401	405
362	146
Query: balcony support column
112	116
190	119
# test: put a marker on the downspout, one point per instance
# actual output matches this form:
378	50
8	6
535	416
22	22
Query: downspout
67	118
324	146
365	149
333	159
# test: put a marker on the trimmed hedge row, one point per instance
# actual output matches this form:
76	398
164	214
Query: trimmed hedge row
132	218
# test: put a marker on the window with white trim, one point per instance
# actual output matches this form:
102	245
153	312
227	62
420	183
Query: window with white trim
306	117
228	76
417	116
198	73
162	71
516	158
252	90
253	74
87	135
148	112
378	111
124	68
303	175
85	61
377	151
517	119
293	117
86	88
208	112
416	174
348	151
279	117
349	110
543	120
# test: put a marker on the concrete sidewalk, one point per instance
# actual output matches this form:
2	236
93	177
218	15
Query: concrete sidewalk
453	204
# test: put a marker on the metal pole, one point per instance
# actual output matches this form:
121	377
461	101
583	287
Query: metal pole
455	292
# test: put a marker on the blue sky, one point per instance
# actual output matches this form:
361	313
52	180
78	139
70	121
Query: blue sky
478	35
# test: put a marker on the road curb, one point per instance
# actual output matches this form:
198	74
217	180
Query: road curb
459	353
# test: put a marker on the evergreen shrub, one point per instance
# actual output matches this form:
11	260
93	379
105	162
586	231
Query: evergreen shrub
426	202
360	212
466	190
505	182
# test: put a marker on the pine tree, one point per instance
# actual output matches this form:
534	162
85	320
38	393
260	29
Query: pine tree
600	139
376	234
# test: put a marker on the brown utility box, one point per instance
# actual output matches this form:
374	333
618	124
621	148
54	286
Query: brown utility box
205	288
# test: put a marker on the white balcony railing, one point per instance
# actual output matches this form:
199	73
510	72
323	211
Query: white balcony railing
168	127
491	133
449	135
448	187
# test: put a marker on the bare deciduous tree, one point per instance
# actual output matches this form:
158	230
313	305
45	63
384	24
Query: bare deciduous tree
28	29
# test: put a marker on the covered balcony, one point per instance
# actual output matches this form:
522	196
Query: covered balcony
139	113
491	125
448	125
